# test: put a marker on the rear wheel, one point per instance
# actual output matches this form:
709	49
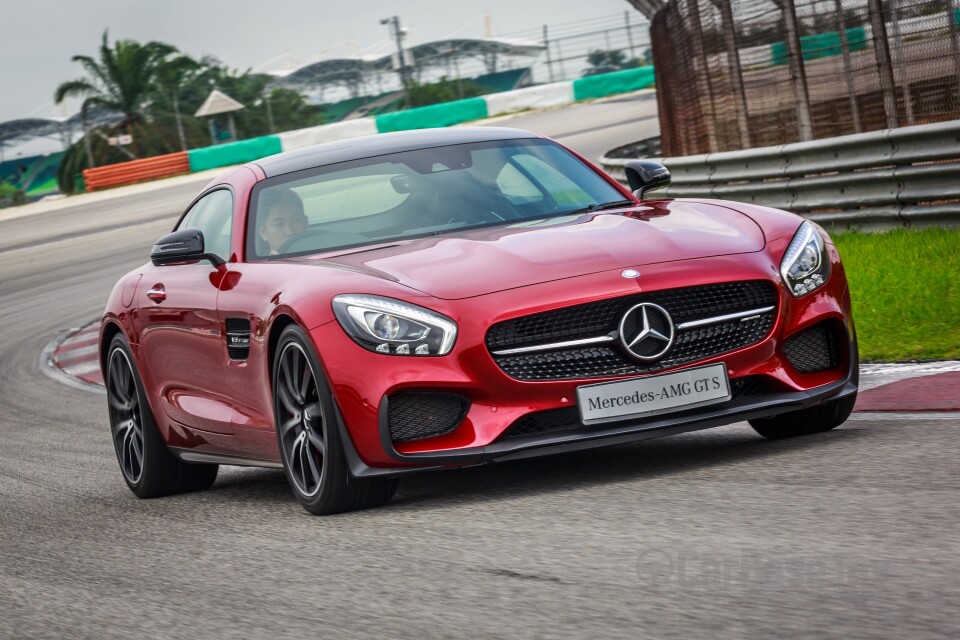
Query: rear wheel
148	467
309	439
806	421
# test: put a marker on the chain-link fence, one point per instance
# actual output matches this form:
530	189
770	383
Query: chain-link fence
599	45
736	74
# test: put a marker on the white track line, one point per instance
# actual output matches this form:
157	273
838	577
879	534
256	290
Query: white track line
876	374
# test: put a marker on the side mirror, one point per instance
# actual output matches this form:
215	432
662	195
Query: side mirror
646	175
182	247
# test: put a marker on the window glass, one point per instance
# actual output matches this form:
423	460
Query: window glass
349	194
213	215
430	191
516	187
563	189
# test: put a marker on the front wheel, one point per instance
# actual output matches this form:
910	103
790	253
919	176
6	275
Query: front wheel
309	440
148	467
806	421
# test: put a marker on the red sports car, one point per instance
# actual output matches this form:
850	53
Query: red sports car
432	299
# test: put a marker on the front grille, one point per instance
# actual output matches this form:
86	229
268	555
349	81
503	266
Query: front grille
415	415
813	349
603	318
568	418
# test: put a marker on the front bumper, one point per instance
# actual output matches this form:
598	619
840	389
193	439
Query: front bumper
736	410
363	387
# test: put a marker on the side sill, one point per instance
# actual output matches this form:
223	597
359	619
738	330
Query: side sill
189	455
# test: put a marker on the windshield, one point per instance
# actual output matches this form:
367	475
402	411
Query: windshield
418	193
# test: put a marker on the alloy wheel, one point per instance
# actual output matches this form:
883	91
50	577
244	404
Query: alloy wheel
126	423
300	419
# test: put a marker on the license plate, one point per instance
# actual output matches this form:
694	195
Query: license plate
653	394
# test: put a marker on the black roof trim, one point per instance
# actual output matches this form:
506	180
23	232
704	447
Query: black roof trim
382	144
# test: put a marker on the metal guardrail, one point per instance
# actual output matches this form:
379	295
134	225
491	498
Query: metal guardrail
894	177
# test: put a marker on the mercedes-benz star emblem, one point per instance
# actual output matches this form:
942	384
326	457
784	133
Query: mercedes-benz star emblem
646	331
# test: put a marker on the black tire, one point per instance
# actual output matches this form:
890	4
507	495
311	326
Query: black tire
310	445
147	466
824	417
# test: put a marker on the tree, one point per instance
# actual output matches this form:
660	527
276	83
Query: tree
120	80
443	91
288	108
156	91
10	195
171	77
601	61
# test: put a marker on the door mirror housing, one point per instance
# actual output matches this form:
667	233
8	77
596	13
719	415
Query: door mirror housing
182	247
646	175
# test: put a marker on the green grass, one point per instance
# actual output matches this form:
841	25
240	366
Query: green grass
905	287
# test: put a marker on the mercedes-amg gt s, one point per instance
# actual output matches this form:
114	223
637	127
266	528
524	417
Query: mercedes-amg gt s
360	310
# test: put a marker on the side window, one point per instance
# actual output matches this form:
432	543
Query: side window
516	187
213	215
564	190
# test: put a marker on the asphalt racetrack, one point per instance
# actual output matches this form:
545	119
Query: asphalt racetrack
853	533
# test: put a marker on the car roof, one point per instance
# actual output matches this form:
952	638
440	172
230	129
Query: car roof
377	145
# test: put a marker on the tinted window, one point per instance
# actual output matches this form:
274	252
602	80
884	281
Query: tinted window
213	215
422	192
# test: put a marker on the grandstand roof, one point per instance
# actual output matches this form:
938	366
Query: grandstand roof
438	52
327	71
28	128
22	129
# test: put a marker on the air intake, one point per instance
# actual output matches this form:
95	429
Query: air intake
813	349
416	415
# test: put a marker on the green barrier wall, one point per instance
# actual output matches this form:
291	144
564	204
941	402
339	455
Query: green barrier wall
609	84
233	153
821	45
435	115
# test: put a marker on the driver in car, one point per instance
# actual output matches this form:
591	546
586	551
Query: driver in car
281	219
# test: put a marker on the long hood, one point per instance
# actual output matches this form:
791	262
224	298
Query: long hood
482	261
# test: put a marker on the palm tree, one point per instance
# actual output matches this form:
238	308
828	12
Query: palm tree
120	80
171	77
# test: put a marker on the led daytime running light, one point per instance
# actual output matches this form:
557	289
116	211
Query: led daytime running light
359	315
806	244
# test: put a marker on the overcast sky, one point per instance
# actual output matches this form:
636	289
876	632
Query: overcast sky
38	37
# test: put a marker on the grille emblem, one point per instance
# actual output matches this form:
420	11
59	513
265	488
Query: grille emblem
646	331
630	273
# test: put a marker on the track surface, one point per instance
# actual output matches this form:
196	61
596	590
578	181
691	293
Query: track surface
853	533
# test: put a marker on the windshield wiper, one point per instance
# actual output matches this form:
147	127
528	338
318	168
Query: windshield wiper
601	206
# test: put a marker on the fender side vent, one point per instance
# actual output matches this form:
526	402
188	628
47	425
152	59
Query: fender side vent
238	338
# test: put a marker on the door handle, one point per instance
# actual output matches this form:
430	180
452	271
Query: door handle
157	293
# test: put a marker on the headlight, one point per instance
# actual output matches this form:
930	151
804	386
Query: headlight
389	326
805	266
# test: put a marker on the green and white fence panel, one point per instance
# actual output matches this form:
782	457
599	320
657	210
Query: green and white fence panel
224	155
541	97
609	84
435	115
327	133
